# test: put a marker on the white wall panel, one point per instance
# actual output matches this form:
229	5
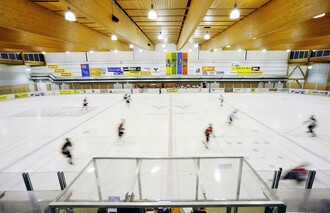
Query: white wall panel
319	73
13	75
257	56
278	56
75	57
55	57
234	55
98	56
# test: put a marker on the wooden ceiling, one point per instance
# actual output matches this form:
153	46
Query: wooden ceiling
39	25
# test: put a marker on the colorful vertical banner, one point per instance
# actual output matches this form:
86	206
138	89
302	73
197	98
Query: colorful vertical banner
185	63
168	63
174	67
85	70
179	63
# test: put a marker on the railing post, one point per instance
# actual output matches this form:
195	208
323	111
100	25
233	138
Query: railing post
274	179
310	179
278	177
27	181
61	180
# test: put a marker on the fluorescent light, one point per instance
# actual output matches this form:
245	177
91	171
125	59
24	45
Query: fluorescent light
288	50
67	52
320	15
207	36
69	15
239	50
114	38
160	36
254	38
152	14
310	67
264	50
131	46
215	49
228	46
116	50
196	45
44	53
234	13
91	51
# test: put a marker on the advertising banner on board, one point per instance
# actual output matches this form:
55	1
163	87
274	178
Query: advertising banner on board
85	70
115	71
95	71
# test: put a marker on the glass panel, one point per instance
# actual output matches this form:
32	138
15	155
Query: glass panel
11	181
27	201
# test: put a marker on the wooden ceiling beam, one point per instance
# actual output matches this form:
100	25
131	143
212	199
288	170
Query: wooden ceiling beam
196	13
30	18
274	16
101	12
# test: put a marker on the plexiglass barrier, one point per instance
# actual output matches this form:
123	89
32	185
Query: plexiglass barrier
168	182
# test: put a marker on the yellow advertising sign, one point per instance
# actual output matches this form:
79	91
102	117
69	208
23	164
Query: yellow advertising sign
240	68
21	95
172	90
59	70
3	97
95	71
208	68
52	66
67	91
66	74
137	73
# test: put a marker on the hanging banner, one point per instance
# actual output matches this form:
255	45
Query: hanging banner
168	63
185	64
85	70
174	67
95	71
179	65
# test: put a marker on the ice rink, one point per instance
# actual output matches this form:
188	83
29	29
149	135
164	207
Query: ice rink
268	130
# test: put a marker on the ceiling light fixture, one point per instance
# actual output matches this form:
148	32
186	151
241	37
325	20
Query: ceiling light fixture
116	50
131	46
163	45
234	13
114	38
43	52
228	46
140	50
207	36
288	50
165	50
196	45
190	49
160	36
215	49
152	13
67	52
239	50
264	50
254	38
319	16
69	15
